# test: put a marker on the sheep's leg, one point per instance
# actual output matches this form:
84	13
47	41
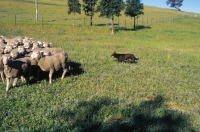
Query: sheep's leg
15	81
23	79
2	76
7	84
64	72
50	75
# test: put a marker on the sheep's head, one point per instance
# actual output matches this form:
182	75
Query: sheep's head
8	49
46	44
36	54
19	39
28	44
2	40
46	53
40	43
35	45
21	50
6	59
14	54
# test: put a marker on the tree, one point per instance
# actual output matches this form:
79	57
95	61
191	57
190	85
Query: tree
110	8
89	9
133	9
74	7
175	3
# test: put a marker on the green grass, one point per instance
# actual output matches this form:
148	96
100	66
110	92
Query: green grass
159	93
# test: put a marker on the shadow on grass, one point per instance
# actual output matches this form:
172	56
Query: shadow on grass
140	27
103	114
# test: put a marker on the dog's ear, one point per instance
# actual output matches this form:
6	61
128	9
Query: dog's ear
114	52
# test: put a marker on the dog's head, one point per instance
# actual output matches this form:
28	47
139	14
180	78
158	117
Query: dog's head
113	55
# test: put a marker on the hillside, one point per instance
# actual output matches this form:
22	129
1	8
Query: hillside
158	93
56	12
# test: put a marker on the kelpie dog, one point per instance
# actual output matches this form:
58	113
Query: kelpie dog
124	57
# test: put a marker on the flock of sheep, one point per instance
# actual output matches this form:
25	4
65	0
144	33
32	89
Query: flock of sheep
18	56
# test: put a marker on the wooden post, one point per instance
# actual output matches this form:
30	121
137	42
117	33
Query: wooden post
15	19
42	21
36	10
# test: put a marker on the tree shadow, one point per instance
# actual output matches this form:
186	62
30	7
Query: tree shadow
139	27
104	114
106	25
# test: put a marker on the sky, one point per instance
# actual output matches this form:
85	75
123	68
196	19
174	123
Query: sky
188	5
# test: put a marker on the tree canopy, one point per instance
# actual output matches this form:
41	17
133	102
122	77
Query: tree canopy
175	3
110	8
74	6
133	8
89	8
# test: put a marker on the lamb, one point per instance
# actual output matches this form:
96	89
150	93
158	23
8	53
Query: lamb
15	69
51	63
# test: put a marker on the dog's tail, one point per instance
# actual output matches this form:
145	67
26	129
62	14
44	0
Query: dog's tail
136	58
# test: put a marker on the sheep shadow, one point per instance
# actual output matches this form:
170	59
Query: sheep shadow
75	69
103	114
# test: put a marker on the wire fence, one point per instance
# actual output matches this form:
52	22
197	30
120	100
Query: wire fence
122	22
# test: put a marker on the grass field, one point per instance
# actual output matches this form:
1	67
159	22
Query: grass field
159	93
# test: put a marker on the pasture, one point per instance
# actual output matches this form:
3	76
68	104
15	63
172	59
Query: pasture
159	93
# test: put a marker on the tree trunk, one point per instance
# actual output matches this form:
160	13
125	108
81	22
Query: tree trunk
90	20
74	21
134	22
112	24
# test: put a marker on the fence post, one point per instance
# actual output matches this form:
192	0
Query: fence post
42	21
15	19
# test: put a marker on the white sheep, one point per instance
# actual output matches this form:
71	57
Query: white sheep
1	68
8	49
15	69
51	63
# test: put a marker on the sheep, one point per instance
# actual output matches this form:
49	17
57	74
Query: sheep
15	69
2	41
35	45
8	49
13	42
56	50
18	53
19	39
51	63
28	44
23	52
1	68
46	44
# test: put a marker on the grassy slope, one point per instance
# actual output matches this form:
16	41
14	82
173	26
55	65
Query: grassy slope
160	92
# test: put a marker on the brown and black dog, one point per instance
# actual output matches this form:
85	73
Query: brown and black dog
125	57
